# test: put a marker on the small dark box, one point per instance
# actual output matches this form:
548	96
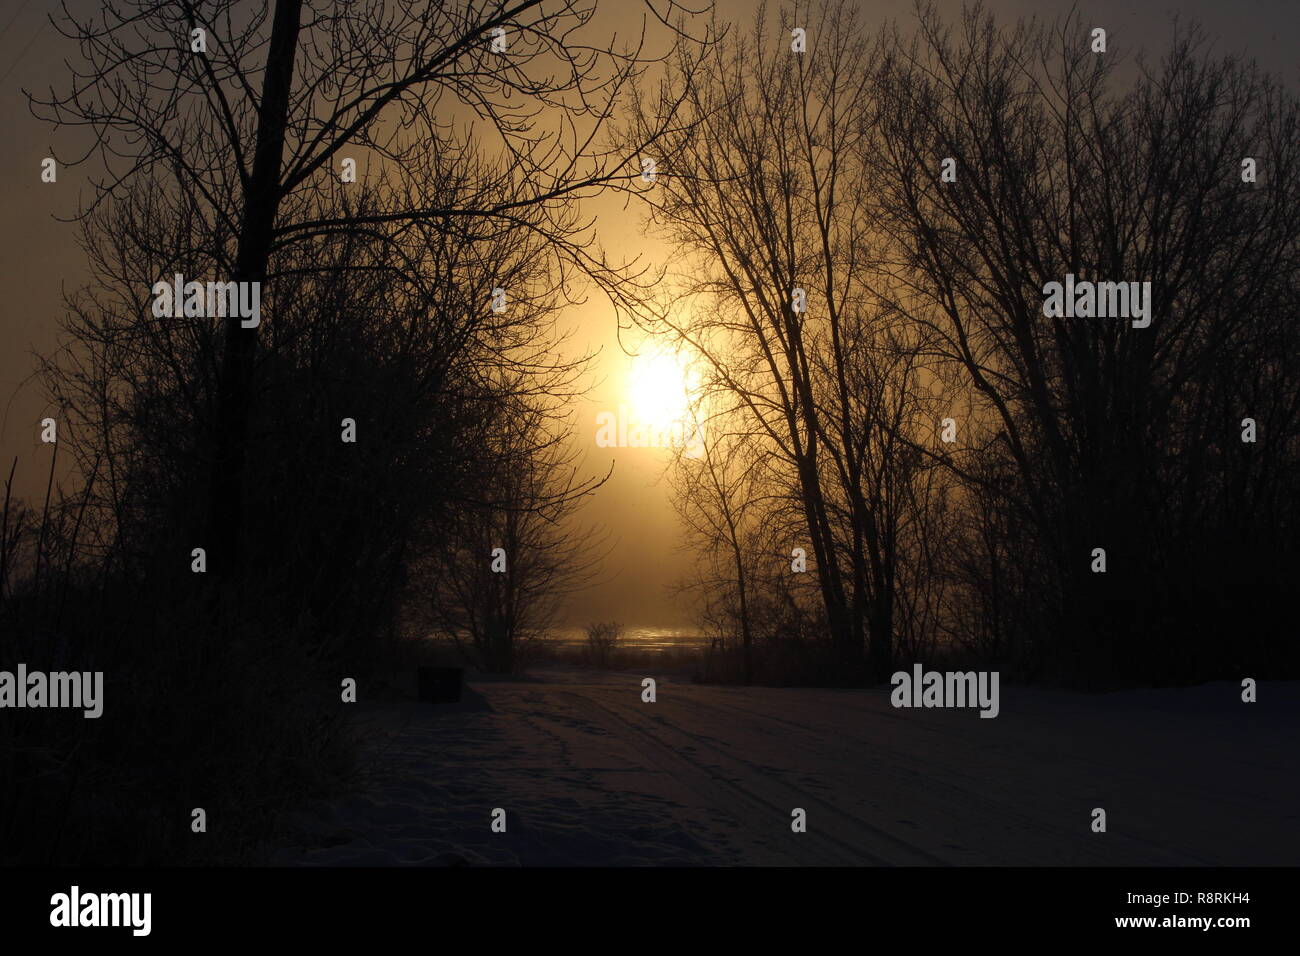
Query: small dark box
440	685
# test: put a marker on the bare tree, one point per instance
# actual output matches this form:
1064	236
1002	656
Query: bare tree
245	112
603	638
494	574
768	188
1118	436
717	493
393	331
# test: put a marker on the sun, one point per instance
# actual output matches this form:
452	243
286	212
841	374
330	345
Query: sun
660	383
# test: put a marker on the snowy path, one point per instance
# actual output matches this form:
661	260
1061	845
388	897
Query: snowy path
588	774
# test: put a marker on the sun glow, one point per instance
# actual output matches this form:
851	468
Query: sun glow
659	387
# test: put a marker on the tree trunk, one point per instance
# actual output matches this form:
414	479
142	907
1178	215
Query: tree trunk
746	635
261	201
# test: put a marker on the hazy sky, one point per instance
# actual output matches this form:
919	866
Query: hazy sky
41	258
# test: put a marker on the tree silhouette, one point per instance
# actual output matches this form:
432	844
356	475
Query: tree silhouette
376	77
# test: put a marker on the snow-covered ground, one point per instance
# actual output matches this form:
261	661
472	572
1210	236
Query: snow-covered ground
590	775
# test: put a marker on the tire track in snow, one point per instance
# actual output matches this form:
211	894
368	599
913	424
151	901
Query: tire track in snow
886	849
965	798
1028	746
